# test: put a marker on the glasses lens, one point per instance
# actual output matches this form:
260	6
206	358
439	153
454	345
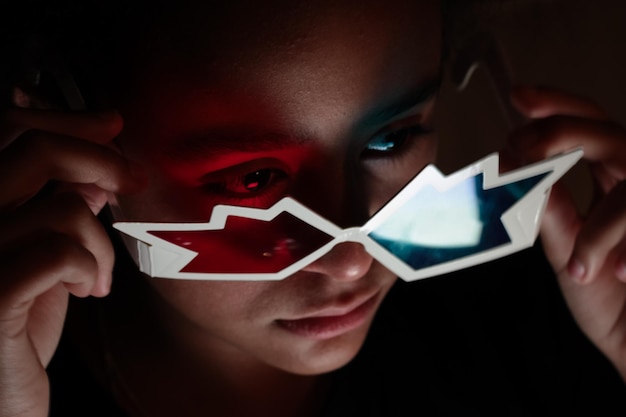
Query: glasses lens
435	227
248	245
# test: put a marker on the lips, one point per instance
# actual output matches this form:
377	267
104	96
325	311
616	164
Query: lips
331	322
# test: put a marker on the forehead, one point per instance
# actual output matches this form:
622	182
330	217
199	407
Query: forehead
309	58
238	38
240	28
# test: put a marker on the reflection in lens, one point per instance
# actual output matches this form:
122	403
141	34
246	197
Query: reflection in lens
434	227
248	245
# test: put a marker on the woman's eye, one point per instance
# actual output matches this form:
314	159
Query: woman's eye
388	143
243	185
254	181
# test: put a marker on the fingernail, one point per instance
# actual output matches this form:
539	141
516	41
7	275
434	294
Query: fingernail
103	286
576	270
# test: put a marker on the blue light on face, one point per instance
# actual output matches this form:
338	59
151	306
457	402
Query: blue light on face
434	227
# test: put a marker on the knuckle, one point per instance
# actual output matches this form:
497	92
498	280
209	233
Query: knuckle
76	219
72	205
50	257
72	211
59	252
65	212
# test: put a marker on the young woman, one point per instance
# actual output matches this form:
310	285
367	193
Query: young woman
243	103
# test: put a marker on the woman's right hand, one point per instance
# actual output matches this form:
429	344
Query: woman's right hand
51	244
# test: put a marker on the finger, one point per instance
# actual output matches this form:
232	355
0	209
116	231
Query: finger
540	102
28	164
45	321
99	127
95	197
559	227
603	142
600	235
68	215
33	267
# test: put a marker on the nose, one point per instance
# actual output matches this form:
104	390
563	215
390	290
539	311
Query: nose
348	261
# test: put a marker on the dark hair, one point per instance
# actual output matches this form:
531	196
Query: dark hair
91	39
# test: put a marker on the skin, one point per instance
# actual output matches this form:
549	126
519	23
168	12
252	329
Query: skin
274	93
227	338
586	250
328	111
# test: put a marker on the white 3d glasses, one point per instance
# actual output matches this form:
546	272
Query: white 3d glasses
436	224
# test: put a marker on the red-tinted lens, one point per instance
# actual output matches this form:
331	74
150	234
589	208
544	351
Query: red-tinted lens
248	245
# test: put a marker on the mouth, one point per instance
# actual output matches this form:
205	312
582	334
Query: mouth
331	322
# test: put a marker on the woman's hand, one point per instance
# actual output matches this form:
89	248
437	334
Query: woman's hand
587	251
51	243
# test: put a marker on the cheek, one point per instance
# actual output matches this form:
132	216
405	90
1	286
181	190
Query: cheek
214	305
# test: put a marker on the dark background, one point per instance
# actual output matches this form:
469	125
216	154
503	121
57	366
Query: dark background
576	45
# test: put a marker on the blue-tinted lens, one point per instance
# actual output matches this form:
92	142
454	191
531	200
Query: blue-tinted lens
434	227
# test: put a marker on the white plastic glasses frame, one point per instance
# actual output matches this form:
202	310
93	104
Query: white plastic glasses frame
160	258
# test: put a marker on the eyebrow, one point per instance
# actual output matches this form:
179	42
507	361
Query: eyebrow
224	141
406	102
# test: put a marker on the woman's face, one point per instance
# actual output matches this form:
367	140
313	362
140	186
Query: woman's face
331	104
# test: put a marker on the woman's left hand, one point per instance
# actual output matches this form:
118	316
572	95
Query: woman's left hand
587	251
